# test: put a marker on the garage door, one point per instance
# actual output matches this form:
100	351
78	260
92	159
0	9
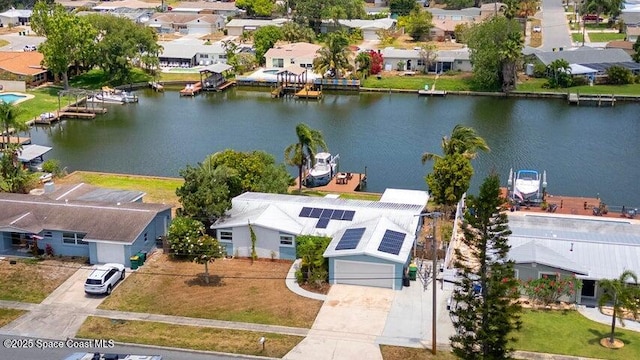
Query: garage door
363	273
110	253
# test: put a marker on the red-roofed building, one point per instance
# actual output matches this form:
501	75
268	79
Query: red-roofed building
23	66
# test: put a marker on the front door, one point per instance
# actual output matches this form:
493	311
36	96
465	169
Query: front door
588	288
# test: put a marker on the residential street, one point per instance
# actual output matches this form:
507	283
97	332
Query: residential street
555	30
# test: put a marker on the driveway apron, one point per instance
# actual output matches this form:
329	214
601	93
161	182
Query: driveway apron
348	324
61	314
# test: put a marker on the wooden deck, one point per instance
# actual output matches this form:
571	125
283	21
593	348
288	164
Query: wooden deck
86	109
568	205
432	93
192	90
22	140
308	93
339	184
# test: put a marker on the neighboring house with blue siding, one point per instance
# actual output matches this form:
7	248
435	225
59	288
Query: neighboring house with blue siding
387	230
103	231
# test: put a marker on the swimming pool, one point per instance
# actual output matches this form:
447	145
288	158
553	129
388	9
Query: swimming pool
11	98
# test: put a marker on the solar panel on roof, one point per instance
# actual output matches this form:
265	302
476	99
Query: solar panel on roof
315	213
305	212
348	215
322	223
350	239
337	214
391	242
326	214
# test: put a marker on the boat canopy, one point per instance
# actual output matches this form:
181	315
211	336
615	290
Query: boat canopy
30	152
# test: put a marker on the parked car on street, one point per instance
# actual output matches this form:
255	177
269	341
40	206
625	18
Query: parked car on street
591	17
104	278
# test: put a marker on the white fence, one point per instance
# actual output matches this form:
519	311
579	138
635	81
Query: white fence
448	259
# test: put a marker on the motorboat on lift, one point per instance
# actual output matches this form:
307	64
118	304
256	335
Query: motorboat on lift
113	96
324	169
525	185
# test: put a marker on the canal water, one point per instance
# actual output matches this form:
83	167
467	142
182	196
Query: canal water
586	151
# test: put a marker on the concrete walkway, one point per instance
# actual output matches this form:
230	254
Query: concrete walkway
594	314
293	286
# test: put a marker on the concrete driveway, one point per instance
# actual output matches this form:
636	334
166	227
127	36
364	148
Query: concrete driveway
348	324
61	314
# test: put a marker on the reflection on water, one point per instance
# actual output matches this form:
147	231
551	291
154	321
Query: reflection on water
585	150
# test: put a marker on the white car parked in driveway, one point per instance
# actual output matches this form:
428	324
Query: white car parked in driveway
104	278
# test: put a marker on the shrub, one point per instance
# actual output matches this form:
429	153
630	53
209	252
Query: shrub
48	249
618	75
539	70
52	166
548	290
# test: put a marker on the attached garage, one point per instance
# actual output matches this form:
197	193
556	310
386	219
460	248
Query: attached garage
110	253
363	273
374	253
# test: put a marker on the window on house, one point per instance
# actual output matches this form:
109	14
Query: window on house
278	62
548	275
420	62
222	56
293	61
47	234
145	238
456	17
225	235
286	240
442	17
70	238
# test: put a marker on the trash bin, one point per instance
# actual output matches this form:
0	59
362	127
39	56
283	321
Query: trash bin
405	281
413	270
144	256
141	258
134	262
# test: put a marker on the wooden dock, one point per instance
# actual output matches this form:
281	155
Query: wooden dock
593	99
86	109
308	93
341	183
77	115
277	92
226	85
191	89
156	86
16	140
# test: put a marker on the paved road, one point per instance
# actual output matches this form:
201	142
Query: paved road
17	42
555	30
33	353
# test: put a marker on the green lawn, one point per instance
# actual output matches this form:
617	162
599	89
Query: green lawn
188	337
45	100
444	82
577	37
605	37
8	315
535	85
95	79
601	26
569	333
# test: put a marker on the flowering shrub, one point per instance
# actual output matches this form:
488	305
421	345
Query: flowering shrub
548	290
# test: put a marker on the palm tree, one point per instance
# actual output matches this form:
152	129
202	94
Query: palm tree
9	119
363	60
464	140
622	295
334	57
309	140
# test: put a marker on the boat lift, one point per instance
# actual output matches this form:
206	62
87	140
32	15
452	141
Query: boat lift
513	193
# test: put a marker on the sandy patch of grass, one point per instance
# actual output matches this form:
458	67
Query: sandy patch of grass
188	337
32	281
8	315
536	37
160	190
239	292
407	353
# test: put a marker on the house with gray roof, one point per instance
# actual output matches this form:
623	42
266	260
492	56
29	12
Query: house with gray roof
369	28
372	241
190	53
186	23
597	59
414	60
81	222
586	247
236	27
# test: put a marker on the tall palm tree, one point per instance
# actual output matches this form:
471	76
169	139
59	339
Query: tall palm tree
309	140
334	57
9	119
464	140
622	295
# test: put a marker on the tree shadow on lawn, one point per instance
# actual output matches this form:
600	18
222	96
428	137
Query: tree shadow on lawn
199	280
605	334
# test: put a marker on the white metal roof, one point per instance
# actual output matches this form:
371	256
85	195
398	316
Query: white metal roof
188	49
282	212
603	247
30	152
533	252
577	69
370	241
404	196
217	68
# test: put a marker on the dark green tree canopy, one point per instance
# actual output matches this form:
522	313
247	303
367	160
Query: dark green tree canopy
402	7
264	38
450	179
485	310
256	8
312	12
209	187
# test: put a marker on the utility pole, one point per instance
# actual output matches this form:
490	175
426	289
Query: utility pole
434	218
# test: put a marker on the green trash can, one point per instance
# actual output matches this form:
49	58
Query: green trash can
413	271
141	258
134	262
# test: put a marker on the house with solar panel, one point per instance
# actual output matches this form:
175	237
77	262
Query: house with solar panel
372	241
